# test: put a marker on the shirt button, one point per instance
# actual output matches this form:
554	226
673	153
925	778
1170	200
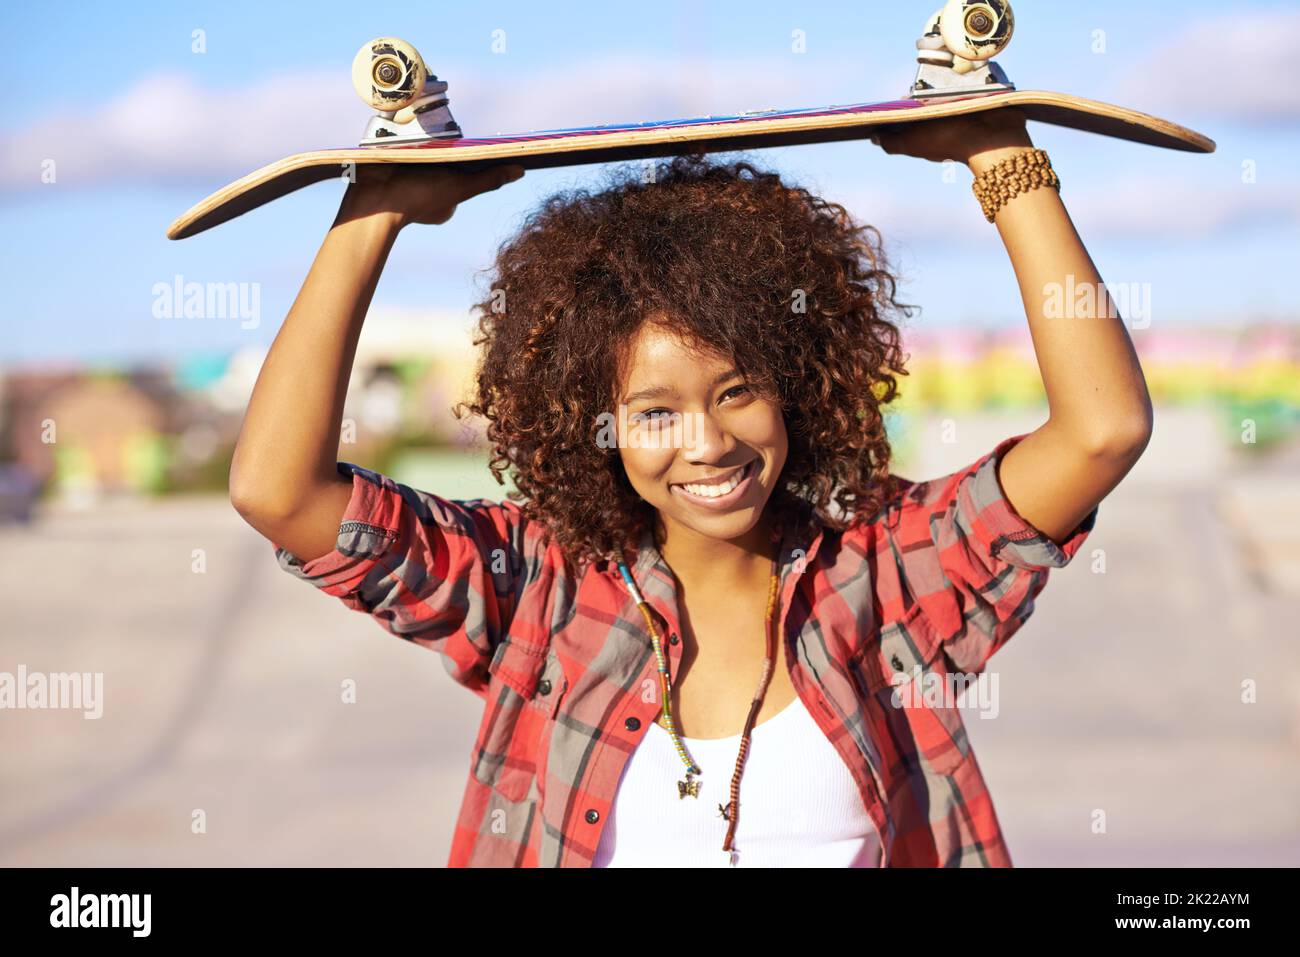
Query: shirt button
672	639
632	723
592	815
544	686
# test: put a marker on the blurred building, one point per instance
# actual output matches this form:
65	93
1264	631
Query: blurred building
83	434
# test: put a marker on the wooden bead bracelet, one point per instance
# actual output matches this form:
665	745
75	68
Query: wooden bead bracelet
1016	174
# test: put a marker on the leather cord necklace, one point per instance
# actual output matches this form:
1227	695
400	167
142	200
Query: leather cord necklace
690	786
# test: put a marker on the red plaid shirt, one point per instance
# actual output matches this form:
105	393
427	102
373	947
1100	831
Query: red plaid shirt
936	582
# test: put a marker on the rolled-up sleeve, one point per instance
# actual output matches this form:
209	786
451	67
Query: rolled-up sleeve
446	574
970	560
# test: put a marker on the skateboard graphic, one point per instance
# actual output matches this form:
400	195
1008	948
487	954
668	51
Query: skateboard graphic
413	121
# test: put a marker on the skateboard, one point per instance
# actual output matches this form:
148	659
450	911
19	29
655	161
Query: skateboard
413	123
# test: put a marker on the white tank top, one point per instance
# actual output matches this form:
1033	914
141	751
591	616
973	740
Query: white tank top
799	805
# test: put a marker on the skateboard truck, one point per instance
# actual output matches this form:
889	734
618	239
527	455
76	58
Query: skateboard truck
956	49
411	103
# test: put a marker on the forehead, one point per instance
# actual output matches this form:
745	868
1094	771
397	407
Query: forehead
657	354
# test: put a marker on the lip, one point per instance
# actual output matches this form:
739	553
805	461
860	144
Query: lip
725	501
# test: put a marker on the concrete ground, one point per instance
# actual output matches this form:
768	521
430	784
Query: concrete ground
1121	701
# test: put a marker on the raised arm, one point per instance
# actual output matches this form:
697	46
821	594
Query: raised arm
1100	416
284	479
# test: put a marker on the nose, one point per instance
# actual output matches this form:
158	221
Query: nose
704	441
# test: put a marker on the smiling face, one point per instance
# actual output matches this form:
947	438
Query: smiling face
697	442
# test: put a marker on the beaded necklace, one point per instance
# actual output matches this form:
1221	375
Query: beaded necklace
731	811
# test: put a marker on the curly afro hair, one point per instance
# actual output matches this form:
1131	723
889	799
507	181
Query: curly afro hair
785	285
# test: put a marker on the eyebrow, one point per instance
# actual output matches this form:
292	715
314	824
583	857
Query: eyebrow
656	392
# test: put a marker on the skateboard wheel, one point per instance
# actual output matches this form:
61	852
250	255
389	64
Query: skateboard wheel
388	74
976	29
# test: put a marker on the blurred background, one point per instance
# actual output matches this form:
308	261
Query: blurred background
1158	683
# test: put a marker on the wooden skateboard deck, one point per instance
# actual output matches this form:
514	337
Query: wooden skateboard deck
932	99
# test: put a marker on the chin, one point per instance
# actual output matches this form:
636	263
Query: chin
723	527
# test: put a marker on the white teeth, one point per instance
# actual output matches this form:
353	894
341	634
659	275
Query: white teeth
717	491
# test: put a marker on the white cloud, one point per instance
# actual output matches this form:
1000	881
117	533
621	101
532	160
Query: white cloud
203	135
195	134
1236	66
1152	206
206	137
1134	207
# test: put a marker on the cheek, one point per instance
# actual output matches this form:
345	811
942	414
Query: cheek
645	468
767	430
773	438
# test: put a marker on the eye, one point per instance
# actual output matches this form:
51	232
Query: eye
654	417
658	418
735	388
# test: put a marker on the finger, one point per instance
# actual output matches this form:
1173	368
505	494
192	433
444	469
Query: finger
498	176
892	141
485	180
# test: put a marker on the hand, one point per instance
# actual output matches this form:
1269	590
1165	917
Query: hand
973	139
423	194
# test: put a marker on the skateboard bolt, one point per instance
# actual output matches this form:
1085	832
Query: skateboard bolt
978	23
387	73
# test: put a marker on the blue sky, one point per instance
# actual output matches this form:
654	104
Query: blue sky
146	126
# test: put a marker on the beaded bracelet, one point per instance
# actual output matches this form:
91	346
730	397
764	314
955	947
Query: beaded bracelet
1016	174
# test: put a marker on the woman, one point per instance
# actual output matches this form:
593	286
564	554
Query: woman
685	376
